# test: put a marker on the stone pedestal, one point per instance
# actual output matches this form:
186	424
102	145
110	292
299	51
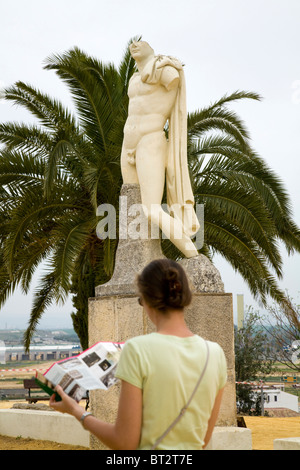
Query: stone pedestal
115	315
135	249
230	438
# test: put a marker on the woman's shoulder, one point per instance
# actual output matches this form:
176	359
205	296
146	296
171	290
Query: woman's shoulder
217	353
154	339
140	340
138	346
214	345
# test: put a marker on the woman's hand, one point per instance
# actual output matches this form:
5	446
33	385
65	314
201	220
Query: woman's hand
125	432
66	405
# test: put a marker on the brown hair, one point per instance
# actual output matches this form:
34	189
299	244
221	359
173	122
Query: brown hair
164	285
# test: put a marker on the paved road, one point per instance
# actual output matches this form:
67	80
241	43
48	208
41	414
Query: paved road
12	393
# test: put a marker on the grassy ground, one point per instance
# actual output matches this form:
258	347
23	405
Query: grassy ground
265	430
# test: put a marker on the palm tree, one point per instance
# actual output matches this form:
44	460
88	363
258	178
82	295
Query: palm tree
55	174
247	209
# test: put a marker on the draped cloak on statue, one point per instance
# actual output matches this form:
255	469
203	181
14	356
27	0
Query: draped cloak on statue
180	198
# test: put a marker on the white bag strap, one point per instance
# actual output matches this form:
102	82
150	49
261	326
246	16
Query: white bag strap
183	410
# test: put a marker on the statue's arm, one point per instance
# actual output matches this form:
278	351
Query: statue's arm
170	78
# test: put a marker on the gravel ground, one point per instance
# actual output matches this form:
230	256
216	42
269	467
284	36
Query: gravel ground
16	443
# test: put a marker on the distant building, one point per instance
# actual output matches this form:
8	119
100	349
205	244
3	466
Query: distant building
240	311
277	398
2	352
42	352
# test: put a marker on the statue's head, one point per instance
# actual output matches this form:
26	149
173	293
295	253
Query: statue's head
140	50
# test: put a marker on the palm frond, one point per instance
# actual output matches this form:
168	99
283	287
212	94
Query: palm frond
72	237
44	296
20	168
127	66
235	96
50	112
26	138
94	88
24	217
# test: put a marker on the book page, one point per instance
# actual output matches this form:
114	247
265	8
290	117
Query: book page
91	370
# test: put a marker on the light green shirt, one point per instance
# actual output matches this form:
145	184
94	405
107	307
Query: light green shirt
167	369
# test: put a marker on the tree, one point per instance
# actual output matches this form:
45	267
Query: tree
283	328
252	361
54	175
247	209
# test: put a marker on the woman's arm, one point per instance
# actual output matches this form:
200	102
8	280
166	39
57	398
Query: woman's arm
125	432
213	417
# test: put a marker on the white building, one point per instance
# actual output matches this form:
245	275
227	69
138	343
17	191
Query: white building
277	398
42	352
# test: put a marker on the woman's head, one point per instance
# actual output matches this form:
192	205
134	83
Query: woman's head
163	285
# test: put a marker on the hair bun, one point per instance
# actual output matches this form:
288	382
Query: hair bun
163	285
174	285
171	274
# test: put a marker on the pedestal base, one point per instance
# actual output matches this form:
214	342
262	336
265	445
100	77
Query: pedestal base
115	315
230	438
120	317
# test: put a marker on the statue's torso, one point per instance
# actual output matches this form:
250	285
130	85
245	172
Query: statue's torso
149	108
145	99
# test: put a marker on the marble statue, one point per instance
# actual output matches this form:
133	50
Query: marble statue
157	95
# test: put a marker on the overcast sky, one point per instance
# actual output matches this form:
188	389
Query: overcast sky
226	45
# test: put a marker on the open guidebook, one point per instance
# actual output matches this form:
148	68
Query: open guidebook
91	370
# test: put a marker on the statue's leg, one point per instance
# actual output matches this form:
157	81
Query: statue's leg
151	157
128	166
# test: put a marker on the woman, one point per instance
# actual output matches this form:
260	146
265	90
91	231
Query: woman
159	372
